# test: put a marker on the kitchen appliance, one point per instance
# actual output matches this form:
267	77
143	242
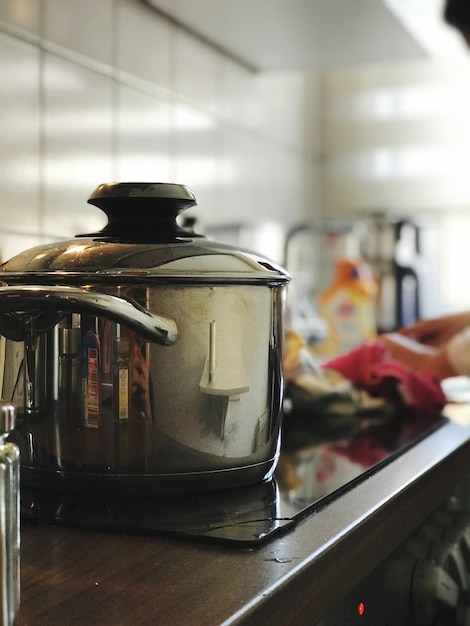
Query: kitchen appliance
143	358
311	252
391	246
425	581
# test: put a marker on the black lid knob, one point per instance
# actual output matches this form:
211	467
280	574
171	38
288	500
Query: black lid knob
143	211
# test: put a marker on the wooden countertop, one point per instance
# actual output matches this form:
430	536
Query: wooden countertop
73	576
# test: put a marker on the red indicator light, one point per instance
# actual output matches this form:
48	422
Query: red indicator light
361	608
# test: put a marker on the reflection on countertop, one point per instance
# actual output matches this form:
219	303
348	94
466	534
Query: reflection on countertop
321	457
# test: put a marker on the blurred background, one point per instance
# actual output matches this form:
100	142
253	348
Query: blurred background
308	130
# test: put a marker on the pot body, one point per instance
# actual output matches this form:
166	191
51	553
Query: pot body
143	358
201	414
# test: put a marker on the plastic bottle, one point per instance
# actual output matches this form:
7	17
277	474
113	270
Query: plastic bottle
348	308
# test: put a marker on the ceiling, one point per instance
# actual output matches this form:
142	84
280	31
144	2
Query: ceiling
303	35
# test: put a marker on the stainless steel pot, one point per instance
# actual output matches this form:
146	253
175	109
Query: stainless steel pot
143	358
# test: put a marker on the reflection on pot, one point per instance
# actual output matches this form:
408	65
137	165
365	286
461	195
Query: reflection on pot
217	421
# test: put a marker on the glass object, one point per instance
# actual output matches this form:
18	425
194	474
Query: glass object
9	517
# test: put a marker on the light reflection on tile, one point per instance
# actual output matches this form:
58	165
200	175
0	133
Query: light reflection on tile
19	133
195	153
144	43
75	163
403	162
198	72
284	100
84	27
143	137
419	101
243	178
239	95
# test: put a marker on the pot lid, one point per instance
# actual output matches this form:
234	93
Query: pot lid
144	239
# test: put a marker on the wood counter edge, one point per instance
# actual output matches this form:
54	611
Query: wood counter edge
355	532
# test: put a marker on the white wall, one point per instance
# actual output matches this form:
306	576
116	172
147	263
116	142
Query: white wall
95	91
98	91
397	138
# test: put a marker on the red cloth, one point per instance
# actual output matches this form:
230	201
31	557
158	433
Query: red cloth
369	367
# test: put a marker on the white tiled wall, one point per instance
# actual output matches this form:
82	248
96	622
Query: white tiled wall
93	91
19	136
397	137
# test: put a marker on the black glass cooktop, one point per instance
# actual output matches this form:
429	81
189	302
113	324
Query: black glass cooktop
321	457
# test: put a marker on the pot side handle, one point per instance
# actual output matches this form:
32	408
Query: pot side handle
24	299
